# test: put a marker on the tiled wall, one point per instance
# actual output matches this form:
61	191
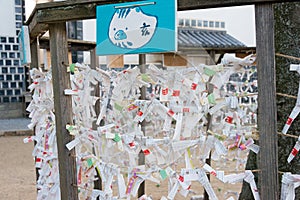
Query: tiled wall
12	74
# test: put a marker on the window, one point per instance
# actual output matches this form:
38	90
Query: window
12	70
217	24
18	24
4	70
16	62
80	57
15	47
194	22
79	24
5	99
1	47
181	22
199	23
1	62
3	39
9	92
11	55
3	55
13	84
18	10
1	77
18	17
211	24
79	35
205	23
222	24
8	62
1	92
17	92
74	57
5	84
20	84
14	99
11	40
17	77
72	30
187	22
9	77
20	70
7	47
18	2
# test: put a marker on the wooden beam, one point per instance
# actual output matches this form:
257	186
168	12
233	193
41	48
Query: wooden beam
66	13
62	11
54	12
182	4
247	50
202	4
267	112
68	10
73	44
63	111
35	28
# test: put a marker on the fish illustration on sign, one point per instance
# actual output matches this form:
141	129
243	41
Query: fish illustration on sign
131	28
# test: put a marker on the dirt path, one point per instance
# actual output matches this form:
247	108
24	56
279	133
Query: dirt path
17	172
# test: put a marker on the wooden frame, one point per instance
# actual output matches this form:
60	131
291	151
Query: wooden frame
53	12
54	15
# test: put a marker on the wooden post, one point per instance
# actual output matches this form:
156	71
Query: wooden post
63	111
94	59
35	62
94	65
212	55
142	65
34	51
268	162
210	89
141	161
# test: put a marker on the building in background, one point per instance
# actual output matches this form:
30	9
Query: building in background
12	74
75	31
199	42
206	41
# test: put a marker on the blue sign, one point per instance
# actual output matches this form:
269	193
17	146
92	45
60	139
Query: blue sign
137	27
24	46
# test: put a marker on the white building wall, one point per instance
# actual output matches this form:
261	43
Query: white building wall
7	16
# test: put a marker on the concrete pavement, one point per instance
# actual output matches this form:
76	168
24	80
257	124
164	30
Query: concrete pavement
14	127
